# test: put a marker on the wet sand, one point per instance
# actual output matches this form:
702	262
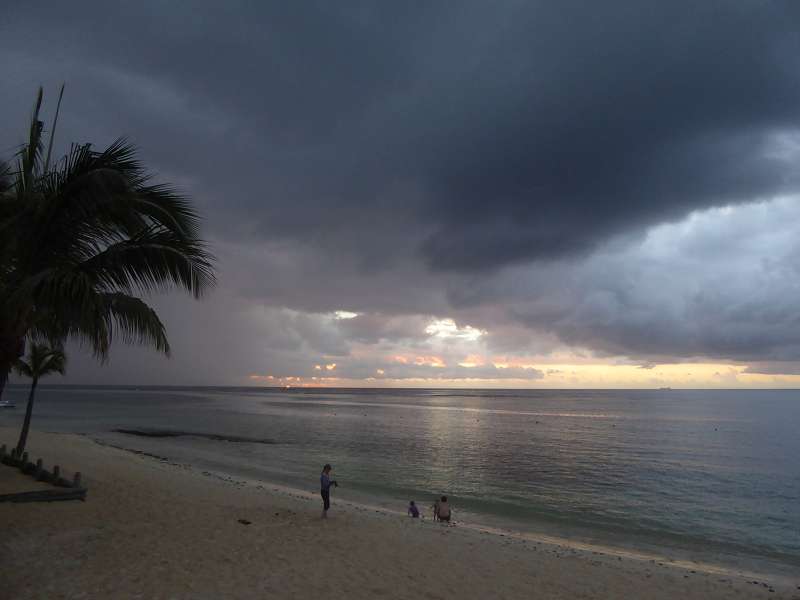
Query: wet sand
152	529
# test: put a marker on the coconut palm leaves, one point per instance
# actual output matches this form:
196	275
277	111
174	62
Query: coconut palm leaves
41	360
81	240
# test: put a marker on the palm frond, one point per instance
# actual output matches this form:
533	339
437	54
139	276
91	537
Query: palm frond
137	322
66	304
79	239
151	261
53	131
70	305
166	207
42	360
6	179
23	368
30	154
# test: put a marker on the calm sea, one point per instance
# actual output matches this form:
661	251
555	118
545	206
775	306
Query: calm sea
714	475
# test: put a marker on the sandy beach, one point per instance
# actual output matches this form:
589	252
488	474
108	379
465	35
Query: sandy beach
153	529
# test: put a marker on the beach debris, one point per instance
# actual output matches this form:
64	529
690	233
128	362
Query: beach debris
44	496
75	490
245	522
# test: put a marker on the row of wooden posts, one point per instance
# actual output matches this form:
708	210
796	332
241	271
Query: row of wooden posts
76	488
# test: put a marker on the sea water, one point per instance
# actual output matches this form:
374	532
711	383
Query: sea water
714	475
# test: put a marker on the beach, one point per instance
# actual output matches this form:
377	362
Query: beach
154	529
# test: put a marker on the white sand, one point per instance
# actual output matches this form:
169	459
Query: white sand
151	529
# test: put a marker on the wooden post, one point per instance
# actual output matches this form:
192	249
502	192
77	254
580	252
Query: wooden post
38	472
76	481
56	473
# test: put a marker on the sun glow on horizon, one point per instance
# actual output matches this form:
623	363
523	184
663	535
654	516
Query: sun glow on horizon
553	376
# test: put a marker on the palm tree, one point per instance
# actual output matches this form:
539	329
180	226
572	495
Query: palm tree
79	241
42	360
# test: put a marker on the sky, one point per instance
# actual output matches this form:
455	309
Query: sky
438	194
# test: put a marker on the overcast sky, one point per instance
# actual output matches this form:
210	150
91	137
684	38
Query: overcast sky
554	194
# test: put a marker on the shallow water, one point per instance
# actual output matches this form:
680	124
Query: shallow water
715	474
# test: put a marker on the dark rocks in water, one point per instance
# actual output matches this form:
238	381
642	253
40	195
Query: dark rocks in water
170	433
244	521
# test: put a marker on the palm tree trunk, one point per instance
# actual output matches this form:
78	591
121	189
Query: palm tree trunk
4	371
26	424
11	348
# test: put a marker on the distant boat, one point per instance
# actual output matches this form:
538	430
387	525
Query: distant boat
665	389
6	404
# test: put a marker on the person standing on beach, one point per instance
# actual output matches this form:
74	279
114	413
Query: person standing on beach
325	489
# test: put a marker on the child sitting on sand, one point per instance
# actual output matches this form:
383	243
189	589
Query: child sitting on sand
413	510
443	510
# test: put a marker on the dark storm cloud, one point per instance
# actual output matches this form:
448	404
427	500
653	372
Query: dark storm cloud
479	135
397	160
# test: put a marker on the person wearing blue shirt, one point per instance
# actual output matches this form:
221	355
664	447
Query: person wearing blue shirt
325	489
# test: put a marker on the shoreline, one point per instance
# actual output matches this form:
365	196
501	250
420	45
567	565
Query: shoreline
144	513
699	558
551	542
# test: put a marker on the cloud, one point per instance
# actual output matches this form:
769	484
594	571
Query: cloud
721	284
447	329
468	139
774	368
527	180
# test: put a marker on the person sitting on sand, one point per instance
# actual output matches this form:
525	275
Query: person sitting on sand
444	510
413	510
325	484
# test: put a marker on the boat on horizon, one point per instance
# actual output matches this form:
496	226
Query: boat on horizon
7	404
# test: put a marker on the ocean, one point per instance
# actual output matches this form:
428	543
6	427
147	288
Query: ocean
713	476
